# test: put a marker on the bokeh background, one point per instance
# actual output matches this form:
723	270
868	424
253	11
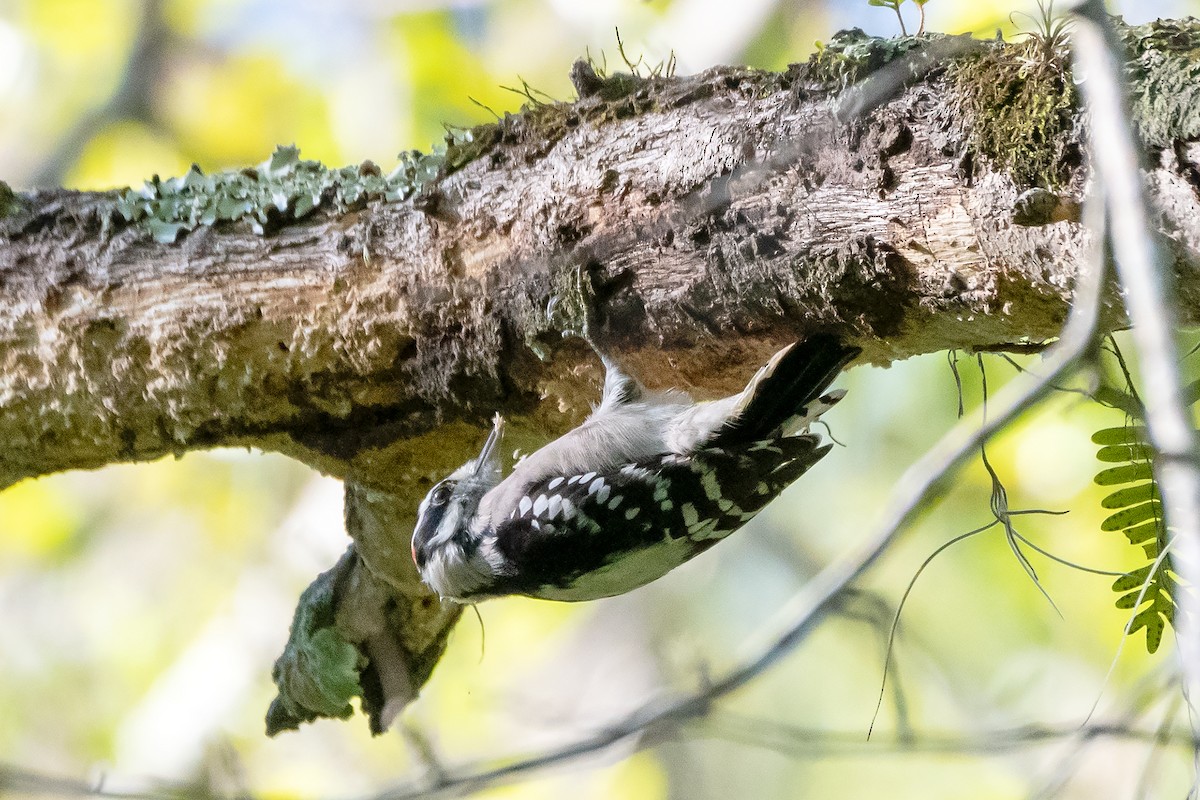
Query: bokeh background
141	606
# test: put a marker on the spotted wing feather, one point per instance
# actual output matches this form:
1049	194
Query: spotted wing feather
658	512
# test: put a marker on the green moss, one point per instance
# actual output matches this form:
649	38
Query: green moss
470	145
852	55
279	191
1163	70
1022	105
9	204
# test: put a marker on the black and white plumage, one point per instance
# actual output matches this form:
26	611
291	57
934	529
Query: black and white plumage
648	481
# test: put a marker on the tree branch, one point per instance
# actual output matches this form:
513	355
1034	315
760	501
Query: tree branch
370	331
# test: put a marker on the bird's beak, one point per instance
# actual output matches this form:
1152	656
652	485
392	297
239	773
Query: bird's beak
487	455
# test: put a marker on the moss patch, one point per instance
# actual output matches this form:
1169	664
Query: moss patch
1023	106
1163	69
852	55
9	204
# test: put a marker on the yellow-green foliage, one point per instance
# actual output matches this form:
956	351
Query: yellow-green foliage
1137	514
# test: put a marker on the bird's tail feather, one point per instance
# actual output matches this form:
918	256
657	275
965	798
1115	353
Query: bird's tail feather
788	390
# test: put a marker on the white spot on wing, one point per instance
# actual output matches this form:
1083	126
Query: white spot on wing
706	530
525	505
587	477
554	506
632	512
602	495
568	510
616	501
595	485
539	505
554	484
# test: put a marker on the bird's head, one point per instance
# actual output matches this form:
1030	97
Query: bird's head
443	538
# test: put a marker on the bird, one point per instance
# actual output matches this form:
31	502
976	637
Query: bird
648	481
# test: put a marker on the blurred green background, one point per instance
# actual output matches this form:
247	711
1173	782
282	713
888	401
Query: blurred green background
141	606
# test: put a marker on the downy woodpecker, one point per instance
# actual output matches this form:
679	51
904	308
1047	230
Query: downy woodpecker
648	481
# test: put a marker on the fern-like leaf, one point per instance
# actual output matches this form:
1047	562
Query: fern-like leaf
1138	515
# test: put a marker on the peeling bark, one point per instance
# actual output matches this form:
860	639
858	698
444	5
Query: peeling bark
713	218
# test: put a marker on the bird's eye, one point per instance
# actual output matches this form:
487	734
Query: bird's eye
441	494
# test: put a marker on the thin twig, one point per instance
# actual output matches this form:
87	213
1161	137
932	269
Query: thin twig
917	486
802	742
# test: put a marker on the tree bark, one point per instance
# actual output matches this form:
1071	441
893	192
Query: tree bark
710	219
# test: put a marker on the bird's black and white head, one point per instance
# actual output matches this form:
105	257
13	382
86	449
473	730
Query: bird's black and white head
445	543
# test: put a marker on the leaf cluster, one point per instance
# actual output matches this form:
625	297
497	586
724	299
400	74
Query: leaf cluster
1137	511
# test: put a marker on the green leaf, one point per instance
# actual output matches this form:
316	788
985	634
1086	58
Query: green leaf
1154	625
1132	516
1121	453
1132	580
1126	473
1128	601
1192	393
1143	533
1167	608
1126	434
1122	401
1131	495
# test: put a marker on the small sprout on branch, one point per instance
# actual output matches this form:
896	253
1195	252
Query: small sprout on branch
894	5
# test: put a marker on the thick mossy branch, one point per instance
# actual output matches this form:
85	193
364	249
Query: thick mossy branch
369	324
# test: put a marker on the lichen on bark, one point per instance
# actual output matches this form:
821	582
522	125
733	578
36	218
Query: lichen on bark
715	217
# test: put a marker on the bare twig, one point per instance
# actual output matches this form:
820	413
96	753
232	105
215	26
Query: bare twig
797	741
1149	689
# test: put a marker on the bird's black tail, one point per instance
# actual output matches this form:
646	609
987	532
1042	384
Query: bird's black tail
793	379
